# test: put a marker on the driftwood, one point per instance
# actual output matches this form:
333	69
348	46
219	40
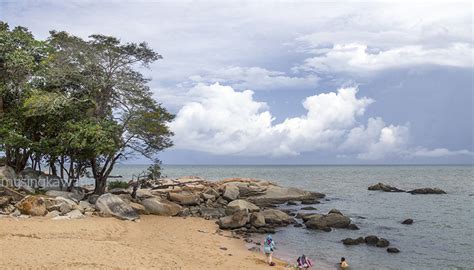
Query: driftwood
10	192
178	184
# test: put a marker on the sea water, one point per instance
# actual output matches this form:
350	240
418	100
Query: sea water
441	237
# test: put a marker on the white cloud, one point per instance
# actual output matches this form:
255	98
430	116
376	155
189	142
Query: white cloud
223	121
439	152
357	58
256	78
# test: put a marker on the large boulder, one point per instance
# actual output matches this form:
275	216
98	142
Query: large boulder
275	195
332	220
33	206
210	212
184	198
276	217
352	241
427	191
112	205
234	221
231	192
238	205
384	187
7	174
257	219
161	207
75	195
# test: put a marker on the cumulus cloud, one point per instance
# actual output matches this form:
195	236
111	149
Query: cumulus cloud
359	58
223	121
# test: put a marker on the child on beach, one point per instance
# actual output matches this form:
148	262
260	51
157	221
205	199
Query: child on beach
303	262
268	248
343	264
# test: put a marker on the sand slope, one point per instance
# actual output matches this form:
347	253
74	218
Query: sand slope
107	243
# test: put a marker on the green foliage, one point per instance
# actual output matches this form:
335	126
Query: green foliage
80	102
117	184
154	171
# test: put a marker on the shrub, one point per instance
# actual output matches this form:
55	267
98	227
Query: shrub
118	184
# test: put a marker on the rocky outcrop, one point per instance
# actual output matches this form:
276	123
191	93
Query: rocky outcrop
334	219
111	205
236	220
184	198
276	217
33	206
371	240
351	241
238	205
393	250
384	187
277	195
161	207
75	195
427	191
382	243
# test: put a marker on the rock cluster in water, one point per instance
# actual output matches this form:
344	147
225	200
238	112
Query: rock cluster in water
388	188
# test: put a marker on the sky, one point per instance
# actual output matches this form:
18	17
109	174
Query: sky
295	82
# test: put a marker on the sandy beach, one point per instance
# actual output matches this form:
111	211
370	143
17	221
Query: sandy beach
108	243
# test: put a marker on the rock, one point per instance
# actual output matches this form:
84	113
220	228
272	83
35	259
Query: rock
143	193
53	214
335	211
65	208
308	208
86	206
257	219
331	220
371	240
386	188
238	205
7	209
75	214
109	204
8	174
4	200
427	191
298	225
139	208
231	192
351	241
275	195
61	218
307	216
393	250
236	220
211	192
161	207
408	221
207	197
26	188
311	201
254	249
352	226
184	198
32	205
76	195
382	243
276	217
292	203
126	197
207	212
118	191
93	198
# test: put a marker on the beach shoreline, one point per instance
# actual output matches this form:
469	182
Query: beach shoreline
108	243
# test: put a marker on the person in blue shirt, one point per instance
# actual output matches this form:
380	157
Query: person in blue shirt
268	248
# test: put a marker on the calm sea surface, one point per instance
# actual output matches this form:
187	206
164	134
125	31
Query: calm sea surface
442	236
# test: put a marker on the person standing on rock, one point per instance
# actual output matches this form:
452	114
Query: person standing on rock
268	248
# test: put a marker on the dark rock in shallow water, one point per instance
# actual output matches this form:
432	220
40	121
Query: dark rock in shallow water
351	241
427	191
393	250
298	225
383	243
309	208
330	220
335	211
352	227
384	187
408	221
371	240
292	203
310	201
